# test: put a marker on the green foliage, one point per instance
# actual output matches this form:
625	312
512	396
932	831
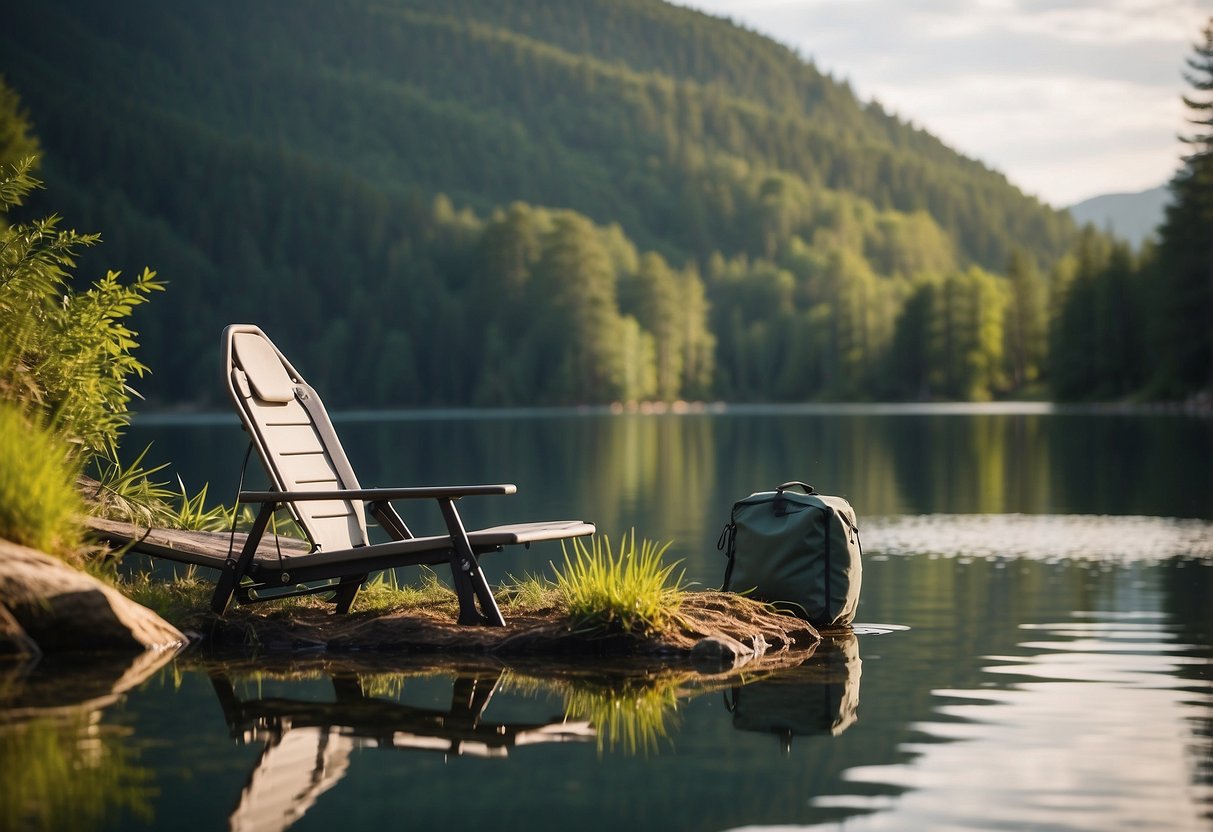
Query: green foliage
1026	324
579	340
660	137
192	512
971	328
39	505
529	594
725	220
625	592
130	494
65	355
1182	291
1098	325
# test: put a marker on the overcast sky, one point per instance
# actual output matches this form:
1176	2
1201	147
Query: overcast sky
1068	98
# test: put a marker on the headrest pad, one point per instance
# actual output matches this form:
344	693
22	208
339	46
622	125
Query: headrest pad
264	368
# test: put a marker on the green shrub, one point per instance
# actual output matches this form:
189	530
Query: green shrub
39	504
627	592
65	355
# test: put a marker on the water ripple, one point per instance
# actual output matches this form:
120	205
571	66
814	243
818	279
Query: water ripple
1122	539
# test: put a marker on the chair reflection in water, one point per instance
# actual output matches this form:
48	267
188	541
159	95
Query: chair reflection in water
308	744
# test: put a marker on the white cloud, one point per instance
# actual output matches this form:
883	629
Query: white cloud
1063	138
1069	98
1107	23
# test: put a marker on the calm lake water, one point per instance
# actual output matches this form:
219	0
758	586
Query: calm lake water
1033	649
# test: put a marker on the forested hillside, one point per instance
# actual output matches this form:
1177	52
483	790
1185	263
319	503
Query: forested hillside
488	202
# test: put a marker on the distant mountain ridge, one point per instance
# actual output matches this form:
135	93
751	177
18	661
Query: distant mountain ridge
1130	216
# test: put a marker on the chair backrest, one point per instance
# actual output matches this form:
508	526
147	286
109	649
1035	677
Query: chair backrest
288	425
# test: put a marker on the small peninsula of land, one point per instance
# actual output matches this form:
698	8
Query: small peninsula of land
46	607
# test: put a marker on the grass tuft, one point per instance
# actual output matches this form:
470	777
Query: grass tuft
383	594
530	594
173	600
128	493
39	504
629	591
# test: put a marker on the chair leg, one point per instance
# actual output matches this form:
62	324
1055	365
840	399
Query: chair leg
225	587
347	591
233	570
464	591
488	604
470	584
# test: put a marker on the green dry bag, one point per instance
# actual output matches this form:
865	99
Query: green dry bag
798	550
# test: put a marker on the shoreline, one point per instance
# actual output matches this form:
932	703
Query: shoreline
714	630
50	608
1198	405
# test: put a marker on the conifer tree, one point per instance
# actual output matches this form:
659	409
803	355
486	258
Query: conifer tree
1184	329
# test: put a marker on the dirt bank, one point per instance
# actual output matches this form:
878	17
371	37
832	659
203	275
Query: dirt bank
714	628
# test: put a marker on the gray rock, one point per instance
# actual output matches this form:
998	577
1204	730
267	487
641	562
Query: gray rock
62	609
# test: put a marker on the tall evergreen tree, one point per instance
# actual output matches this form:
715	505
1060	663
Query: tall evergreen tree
1184	329
1072	344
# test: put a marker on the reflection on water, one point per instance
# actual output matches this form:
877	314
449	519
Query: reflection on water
63	763
675	477
1045	742
991	706
373	719
819	697
988	702
1040	537
308	742
634	715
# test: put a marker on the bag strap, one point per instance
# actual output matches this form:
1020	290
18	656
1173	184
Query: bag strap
727	543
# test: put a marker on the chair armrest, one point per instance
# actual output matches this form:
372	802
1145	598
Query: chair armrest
440	492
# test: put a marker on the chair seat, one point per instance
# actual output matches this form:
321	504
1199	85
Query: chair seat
435	548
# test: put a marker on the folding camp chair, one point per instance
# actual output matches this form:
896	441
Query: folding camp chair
311	476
